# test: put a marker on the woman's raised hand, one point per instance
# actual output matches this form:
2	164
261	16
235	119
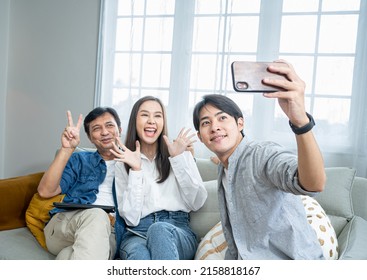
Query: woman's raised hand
123	154
182	143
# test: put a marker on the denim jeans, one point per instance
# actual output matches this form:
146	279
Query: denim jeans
160	236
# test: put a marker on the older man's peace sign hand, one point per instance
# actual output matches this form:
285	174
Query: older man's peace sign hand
71	135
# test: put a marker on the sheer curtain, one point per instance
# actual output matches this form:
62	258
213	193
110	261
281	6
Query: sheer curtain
180	50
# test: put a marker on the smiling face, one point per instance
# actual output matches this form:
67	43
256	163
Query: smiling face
149	122
219	131
103	131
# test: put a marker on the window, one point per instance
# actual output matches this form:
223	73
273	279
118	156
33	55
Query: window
180	50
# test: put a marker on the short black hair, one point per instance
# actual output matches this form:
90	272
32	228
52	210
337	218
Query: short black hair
221	102
97	112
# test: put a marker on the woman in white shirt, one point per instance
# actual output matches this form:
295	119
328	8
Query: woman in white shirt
157	185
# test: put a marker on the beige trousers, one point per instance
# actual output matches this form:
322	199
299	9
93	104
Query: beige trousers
81	235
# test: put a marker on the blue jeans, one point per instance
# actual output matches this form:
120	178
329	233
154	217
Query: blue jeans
160	236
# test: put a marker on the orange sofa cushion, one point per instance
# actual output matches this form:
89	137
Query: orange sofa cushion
15	195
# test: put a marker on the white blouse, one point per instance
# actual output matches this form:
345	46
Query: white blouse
138	193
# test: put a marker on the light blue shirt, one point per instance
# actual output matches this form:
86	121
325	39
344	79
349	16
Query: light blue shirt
267	219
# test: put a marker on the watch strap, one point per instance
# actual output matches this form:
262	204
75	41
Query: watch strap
305	128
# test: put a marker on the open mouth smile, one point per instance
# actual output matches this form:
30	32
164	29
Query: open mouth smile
150	131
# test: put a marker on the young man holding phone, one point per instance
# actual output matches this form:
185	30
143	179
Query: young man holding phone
258	183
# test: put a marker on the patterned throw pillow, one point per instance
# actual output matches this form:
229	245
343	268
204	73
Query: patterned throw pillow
320	222
213	246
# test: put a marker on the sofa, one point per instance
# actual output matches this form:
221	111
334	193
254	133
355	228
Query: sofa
344	201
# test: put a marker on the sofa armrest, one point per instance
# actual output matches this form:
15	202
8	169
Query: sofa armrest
352	240
15	195
359	196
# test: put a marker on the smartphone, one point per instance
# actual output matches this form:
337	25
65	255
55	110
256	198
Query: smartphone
247	76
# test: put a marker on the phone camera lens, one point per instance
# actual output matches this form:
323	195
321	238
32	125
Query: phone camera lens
242	85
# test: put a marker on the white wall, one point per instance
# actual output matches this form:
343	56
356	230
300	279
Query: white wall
4	23
51	68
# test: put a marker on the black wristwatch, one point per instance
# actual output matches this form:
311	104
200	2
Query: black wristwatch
305	128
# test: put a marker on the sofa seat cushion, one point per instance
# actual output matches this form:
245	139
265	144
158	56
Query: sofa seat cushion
353	240
20	244
15	195
338	223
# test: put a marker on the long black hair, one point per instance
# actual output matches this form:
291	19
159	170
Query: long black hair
161	159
